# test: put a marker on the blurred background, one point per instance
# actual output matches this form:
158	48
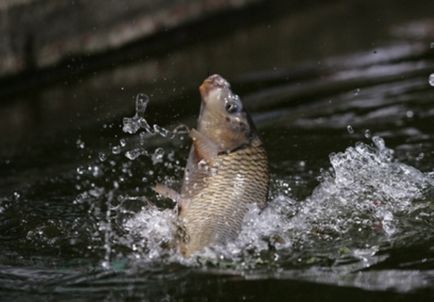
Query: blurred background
317	76
67	63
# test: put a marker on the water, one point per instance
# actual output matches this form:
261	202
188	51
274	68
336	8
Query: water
349	134
431	79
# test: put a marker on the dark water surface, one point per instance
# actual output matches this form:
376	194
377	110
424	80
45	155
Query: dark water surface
341	97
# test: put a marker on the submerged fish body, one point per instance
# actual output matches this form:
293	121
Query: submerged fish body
227	169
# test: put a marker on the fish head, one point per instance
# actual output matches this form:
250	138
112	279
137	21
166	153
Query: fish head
223	118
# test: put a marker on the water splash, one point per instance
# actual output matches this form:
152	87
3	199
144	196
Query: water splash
113	187
364	201
153	230
367	134
358	207
363	192
132	125
80	144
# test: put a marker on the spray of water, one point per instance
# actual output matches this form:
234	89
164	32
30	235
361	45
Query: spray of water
357	207
365	200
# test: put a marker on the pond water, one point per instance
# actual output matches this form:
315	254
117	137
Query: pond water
347	117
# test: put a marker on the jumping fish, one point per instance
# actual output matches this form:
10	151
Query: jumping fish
227	169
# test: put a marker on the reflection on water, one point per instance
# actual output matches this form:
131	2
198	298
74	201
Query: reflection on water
350	211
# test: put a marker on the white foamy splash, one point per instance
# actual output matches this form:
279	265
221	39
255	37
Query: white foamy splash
153	232
363	191
361	200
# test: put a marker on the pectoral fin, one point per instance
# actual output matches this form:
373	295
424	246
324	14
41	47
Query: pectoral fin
167	192
204	148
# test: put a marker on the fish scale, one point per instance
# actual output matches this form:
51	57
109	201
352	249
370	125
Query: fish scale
215	214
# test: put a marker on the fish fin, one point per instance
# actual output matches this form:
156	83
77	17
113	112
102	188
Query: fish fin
203	147
167	192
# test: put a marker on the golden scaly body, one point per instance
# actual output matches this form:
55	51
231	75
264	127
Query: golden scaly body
215	212
227	169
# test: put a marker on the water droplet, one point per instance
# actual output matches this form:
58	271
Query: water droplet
171	156
80	170
122	142
161	131
133	154
157	156
141	103
97	192
367	133
356	91
116	149
80	144
144	125
420	156
379	142
102	156
350	129
180	130
130	125
409	114
105	265
96	171
17	195
431	79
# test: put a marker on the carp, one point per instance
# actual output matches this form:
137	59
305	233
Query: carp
227	169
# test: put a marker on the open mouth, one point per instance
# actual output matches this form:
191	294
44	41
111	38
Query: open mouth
210	83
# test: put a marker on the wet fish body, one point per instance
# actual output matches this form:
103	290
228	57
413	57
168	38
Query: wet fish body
215	214
227	170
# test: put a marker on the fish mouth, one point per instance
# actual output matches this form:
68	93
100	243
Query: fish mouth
212	82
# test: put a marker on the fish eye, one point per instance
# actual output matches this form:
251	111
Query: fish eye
232	107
